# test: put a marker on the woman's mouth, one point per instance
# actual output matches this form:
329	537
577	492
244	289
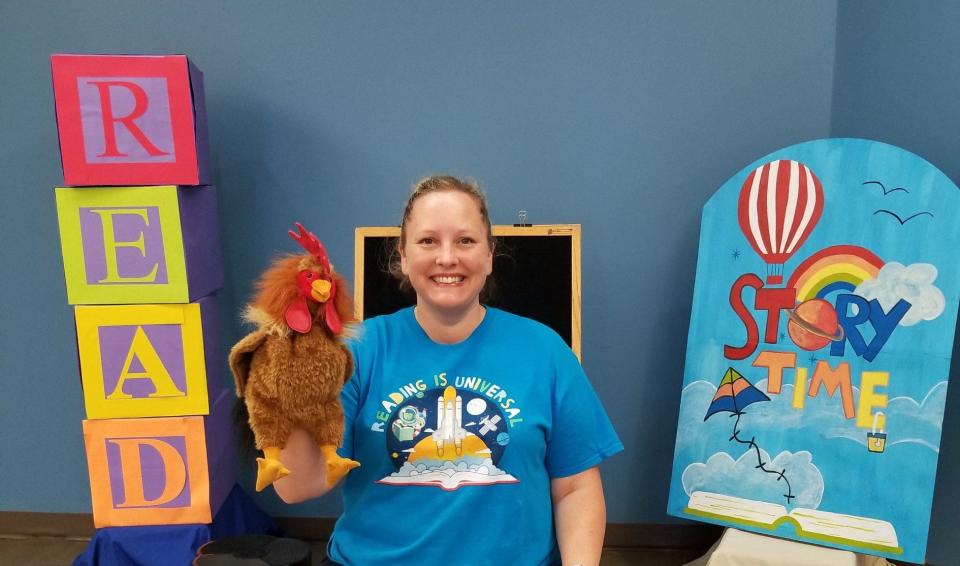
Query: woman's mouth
447	279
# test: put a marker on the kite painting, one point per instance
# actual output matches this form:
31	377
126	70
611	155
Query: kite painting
819	348
733	395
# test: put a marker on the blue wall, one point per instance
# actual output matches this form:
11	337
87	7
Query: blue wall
896	80
624	117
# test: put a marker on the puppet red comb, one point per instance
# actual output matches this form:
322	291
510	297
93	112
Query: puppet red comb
311	243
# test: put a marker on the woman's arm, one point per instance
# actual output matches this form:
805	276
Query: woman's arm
308	476
580	515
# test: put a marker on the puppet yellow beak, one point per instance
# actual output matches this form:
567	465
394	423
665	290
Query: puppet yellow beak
320	290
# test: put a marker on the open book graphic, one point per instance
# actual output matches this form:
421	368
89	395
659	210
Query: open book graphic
835	528
448	480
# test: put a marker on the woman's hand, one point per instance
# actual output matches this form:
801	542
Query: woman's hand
307	465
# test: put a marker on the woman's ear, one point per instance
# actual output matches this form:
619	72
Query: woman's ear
404	268
492	247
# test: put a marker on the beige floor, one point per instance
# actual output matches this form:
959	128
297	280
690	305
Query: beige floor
39	551
61	552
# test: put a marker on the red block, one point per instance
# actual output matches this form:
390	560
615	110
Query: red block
130	120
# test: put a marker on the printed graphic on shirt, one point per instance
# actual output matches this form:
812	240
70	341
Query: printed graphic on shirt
449	436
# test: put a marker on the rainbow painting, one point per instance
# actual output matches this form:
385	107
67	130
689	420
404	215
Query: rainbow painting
835	268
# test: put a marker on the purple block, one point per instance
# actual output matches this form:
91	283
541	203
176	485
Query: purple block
201	239
213	358
221	449
200	122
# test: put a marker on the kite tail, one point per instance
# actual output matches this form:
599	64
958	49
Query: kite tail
760	463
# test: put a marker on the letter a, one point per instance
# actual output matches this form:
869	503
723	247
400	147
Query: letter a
152	366
175	471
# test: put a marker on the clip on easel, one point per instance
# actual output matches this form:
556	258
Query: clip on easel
522	216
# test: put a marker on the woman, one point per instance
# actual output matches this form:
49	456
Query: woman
478	433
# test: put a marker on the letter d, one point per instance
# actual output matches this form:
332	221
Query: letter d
175	471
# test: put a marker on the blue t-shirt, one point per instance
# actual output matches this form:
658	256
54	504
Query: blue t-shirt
458	442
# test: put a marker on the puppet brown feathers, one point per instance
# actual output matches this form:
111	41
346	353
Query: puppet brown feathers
289	371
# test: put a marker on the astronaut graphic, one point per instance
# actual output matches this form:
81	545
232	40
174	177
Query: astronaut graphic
409	423
447	438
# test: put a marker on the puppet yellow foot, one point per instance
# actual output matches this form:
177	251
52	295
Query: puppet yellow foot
269	470
337	467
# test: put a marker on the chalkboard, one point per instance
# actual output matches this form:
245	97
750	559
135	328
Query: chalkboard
536	271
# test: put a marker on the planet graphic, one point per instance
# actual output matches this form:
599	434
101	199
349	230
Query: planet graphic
476	406
813	324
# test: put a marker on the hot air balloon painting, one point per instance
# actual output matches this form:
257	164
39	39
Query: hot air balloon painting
780	203
733	394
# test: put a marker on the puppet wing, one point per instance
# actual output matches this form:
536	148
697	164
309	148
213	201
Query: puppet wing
240	357
348	370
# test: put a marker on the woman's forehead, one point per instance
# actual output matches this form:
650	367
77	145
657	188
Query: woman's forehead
446	197
445	208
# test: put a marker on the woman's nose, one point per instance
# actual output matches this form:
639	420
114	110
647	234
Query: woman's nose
447	255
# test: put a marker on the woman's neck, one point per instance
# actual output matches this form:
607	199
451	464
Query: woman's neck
449	327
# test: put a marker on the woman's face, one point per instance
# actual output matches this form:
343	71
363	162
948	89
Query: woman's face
446	255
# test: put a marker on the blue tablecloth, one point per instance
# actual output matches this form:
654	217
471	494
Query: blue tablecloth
168	545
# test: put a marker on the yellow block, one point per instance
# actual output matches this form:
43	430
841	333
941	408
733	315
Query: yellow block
143	360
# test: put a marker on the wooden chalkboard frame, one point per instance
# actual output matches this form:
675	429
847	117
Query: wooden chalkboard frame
506	235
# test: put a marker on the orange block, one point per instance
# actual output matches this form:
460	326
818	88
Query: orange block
160	471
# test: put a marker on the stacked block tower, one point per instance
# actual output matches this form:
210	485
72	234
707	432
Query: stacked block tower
141	256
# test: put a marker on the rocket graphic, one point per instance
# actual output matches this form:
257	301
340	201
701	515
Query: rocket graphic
449	417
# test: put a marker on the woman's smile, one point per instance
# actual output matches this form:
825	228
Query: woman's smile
447	280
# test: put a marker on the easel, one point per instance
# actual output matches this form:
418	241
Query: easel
741	548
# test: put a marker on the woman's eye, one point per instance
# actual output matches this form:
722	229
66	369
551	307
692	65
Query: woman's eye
426	241
466	241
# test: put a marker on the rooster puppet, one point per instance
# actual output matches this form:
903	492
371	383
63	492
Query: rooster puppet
290	370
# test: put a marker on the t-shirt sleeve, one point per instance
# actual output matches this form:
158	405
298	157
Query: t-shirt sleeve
581	435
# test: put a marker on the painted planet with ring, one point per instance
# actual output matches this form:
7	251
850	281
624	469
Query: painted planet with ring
813	324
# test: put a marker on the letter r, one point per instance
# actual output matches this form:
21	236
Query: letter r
141	102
